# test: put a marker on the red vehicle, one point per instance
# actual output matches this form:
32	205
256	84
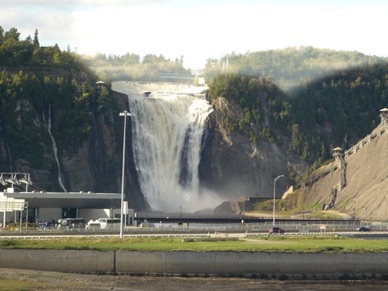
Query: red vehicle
277	230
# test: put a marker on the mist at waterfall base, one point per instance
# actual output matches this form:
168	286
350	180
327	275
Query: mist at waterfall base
167	138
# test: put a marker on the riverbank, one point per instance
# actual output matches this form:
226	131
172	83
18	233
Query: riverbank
18	280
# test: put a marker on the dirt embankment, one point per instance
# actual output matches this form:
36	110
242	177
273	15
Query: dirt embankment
365	173
17	279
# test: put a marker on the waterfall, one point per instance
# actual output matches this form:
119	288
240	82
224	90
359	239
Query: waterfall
55	150
167	130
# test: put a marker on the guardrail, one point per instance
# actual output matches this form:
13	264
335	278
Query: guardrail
250	228
215	234
198	235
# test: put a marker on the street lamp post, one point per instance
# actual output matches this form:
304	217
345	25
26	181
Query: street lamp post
146	206
125	114
274	194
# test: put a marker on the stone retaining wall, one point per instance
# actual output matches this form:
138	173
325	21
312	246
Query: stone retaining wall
182	263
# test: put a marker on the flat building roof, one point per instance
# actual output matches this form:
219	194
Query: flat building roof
68	199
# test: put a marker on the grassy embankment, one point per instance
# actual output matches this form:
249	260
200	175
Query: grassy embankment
324	244
267	244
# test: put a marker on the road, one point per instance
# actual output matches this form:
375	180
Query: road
67	234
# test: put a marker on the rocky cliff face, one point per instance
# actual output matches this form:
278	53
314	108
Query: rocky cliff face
230	166
234	167
93	166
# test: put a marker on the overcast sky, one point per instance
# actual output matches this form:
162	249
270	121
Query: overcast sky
202	29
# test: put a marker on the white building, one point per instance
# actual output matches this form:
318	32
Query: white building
41	206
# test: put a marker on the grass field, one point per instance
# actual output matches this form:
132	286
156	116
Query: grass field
18	280
266	244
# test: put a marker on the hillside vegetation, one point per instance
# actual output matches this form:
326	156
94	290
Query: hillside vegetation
42	86
304	100
336	110
318	98
291	67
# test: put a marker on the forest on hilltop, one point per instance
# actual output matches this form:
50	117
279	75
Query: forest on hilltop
43	86
334	101
132	67
290	67
336	110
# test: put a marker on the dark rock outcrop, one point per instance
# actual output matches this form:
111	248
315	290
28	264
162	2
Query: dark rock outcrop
94	166
234	167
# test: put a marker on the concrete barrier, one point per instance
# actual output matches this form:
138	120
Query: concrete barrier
182	263
254	264
72	261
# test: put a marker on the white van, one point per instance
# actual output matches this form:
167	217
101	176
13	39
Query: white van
104	223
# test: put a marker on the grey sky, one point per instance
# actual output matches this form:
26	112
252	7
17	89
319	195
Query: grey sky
200	29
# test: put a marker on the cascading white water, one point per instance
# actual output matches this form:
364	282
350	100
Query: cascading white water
55	151
167	130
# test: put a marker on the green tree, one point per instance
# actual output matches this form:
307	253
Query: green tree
36	39
1	35
12	34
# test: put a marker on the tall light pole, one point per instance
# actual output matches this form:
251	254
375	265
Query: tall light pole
274	194
125	114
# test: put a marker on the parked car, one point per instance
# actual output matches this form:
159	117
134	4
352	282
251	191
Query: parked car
46	225
364	228
277	230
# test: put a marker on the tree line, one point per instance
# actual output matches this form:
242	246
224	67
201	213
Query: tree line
289	67
132	67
